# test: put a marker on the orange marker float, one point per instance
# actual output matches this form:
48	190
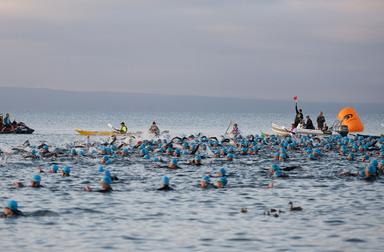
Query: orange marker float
350	118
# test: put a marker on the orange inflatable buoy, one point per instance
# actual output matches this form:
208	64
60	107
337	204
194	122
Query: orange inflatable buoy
350	118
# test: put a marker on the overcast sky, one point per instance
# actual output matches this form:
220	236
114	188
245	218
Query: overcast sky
273	49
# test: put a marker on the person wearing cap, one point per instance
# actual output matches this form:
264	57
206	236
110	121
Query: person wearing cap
221	182
123	128
196	160
205	183
154	129
165	185
54	168
66	172
35	183
230	157
11	210
105	184
173	164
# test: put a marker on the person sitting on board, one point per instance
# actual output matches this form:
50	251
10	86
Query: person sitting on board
165	186
123	128
299	116
154	129
235	130
6	120
301	125
309	123
320	121
11	210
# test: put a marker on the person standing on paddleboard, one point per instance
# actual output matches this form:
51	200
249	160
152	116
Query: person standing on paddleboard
299	113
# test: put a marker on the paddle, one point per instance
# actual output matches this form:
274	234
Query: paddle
110	126
229	125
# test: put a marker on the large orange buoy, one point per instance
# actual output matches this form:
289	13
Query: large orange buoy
350	118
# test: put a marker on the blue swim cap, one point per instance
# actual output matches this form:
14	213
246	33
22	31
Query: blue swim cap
12	204
67	170
107	173
174	161
101	168
106	157
156	159
147	156
374	163
372	170
55	168
45	147
198	157
107	180
276	167
223	171
224	181
230	155
34	152
165	180
36	178
207	179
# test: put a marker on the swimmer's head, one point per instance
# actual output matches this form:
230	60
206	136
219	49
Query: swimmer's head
36	178
165	180
222	171
12	204
66	171
101	168
54	168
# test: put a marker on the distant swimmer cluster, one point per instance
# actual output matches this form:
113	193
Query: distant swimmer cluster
217	153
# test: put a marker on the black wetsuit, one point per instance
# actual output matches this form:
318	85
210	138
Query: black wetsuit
320	122
309	124
16	213
299	116
165	188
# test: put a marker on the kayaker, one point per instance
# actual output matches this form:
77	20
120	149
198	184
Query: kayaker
11	210
299	116
235	130
165	186
123	128
320	121
309	123
154	129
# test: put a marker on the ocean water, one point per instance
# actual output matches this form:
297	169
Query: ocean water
339	213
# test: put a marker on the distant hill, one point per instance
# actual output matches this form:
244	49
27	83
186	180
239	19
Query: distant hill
48	100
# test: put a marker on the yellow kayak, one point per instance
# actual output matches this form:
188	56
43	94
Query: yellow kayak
105	133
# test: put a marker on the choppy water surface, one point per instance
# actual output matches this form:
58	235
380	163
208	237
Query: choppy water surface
340	213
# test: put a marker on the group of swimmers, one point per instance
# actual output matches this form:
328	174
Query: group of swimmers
193	150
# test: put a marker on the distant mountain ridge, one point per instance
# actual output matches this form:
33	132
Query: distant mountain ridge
49	100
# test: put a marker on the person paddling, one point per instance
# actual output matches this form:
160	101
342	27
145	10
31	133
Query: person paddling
123	128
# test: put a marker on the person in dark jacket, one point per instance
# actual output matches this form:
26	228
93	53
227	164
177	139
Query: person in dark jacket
299	116
309	123
320	121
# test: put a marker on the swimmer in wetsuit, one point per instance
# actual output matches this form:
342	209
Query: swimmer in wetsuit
35	183
105	184
166	186
11	210
66	172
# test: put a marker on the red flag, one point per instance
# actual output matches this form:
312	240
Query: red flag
295	98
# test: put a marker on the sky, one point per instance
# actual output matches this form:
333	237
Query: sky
322	51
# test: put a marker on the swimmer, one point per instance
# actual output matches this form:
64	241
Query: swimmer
165	186
196	160
205	183
35	183
66	172
221	182
17	184
54	168
173	164
230	157
105	184
11	210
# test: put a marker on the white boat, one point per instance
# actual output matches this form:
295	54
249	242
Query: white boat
283	131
